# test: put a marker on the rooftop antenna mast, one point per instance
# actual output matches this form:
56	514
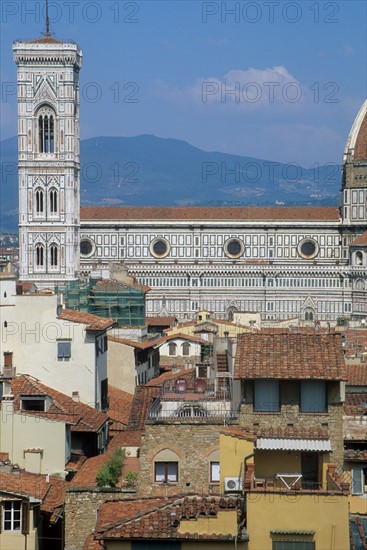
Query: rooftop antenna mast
47	33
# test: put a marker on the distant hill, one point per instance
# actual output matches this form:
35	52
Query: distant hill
147	170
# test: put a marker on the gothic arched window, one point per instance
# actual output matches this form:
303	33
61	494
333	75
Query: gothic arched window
309	315
46	130
172	348
186	348
39	201
40	255
53	201
54	255
359	258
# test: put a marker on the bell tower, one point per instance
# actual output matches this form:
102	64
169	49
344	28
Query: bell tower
48	159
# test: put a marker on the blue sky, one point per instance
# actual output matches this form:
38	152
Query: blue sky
272	79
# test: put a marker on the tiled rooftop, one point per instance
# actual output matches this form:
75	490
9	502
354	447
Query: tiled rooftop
63	408
120	403
291	432
357	374
110	285
157	519
355	404
143	399
158	321
250	213
86	476
51	490
361	240
92	322
290	355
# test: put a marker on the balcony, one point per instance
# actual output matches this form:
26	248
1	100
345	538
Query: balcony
194	399
294	482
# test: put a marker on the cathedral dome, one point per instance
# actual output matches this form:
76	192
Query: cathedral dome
356	146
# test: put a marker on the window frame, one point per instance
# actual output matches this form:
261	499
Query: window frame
166	474
215	463
269	410
63	356
302	408
12	519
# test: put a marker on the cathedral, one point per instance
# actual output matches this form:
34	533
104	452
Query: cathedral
303	263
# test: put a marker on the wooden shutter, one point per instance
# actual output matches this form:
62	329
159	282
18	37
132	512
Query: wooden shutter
25	517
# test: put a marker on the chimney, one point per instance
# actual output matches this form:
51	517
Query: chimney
75	396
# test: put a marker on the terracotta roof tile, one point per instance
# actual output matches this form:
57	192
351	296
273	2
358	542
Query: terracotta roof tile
49	489
357	374
120	403
250	213
63	408
355	404
239	433
45	40
111	285
361	240
290	355
181	336
355	455
145	344
292	432
86	476
92	322
157	519
171	375
143	399
167	321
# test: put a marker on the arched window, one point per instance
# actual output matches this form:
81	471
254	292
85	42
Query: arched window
186	348
309	314
39	201
172	348
53	201
46	130
359	258
40	255
54	253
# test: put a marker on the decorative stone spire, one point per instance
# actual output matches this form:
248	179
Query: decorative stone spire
47	33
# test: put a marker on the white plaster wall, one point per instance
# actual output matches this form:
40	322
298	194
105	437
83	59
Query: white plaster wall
31	334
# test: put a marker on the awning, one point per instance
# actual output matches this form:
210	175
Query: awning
278	444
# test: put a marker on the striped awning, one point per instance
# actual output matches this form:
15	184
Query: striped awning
279	444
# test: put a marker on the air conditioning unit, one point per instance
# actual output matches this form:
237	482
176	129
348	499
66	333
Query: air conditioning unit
232	485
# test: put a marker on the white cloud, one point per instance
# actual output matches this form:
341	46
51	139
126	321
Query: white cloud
248	88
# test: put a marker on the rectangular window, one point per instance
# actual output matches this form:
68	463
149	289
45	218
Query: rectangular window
214	472
166	472
313	396
266	396
357	481
104	394
33	403
12	515
63	349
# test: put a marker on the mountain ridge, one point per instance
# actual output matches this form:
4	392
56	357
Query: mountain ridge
153	171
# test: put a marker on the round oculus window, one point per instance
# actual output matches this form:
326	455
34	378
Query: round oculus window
159	248
86	248
233	248
308	248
